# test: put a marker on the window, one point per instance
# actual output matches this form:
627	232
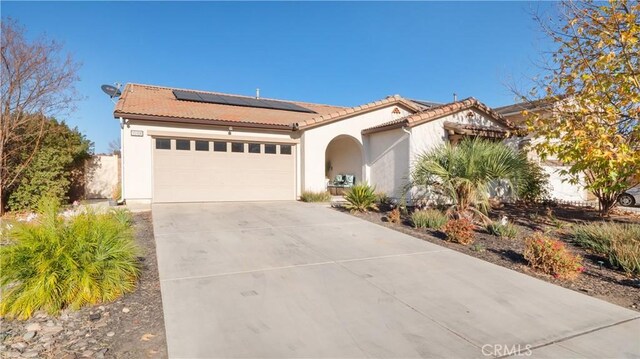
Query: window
163	144
285	149
237	147
219	146
254	148
183	145
202	145
269	148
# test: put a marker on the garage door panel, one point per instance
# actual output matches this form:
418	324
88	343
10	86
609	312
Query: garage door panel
201	176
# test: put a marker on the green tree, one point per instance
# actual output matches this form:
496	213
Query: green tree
62	152
464	173
594	80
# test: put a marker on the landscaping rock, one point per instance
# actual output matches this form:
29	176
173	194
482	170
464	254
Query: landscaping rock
19	346
125	310
31	354
29	335
110	334
94	316
33	327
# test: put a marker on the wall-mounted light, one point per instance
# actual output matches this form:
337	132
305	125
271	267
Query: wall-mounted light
230	129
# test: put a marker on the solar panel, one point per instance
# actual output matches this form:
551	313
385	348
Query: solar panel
238	101
186	95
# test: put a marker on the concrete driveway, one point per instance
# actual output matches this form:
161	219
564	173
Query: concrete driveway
292	280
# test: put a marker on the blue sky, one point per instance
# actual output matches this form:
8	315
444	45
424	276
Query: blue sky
335	53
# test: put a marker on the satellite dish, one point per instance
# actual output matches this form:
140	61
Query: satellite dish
112	91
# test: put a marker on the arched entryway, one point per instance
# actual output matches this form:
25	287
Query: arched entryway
344	156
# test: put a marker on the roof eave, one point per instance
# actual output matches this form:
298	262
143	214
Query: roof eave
358	110
198	121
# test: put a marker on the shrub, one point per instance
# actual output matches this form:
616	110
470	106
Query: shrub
394	216
619	242
550	256
508	230
361	198
52	264
429	218
459	231
51	170
463	173
122	215
534	184
310	196
383	199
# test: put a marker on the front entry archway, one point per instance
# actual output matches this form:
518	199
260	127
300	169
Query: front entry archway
344	156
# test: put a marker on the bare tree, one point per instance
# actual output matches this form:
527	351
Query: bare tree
114	147
37	80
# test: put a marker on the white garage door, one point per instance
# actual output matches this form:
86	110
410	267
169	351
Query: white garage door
189	170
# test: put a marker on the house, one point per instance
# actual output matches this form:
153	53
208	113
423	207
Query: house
559	183
189	146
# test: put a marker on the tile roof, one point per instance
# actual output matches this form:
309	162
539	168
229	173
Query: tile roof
351	111
436	112
156	102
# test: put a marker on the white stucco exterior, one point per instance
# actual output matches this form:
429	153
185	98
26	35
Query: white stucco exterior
137	144
381	157
314	143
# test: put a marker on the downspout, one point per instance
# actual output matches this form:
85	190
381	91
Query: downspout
121	200
408	194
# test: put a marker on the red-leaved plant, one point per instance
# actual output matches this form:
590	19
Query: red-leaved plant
551	256
459	231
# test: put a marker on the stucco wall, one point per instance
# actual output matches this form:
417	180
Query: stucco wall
138	151
561	188
346	157
315	141
431	134
101	176
389	161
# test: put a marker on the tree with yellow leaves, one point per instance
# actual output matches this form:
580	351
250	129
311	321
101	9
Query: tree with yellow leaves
594	83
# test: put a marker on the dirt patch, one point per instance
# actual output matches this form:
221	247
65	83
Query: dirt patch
598	280
131	327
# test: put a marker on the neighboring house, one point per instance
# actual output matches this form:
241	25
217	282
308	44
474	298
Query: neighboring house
190	146
560	186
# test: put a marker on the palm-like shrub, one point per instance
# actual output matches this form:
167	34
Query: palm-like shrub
361	198
53	264
463	173
428	218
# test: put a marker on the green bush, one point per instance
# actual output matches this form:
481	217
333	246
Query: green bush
534	184
498	229
122	215
361	198
428	218
54	168
619	242
310	196
51	264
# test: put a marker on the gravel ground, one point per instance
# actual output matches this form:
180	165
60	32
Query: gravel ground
131	327
598	280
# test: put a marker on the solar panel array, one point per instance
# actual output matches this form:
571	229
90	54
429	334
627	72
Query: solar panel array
238	101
